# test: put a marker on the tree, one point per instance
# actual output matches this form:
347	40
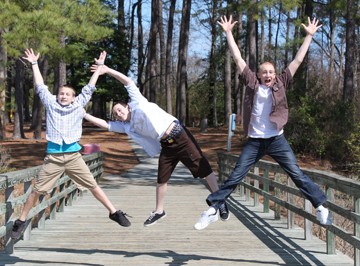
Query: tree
57	29
19	94
350	53
140	48
168	66
162	55
8	17
181	77
212	115
238	89
3	62
153	52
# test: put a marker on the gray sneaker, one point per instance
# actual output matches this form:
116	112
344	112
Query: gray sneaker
224	212
154	217
120	218
18	229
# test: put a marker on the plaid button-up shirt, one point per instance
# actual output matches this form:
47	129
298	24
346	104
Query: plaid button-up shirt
64	123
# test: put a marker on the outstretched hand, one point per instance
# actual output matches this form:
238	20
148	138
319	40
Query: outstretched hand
99	64
312	27
101	59
102	69
30	55
226	24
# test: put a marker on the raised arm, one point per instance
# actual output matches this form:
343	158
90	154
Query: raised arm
227	26
33	59
96	121
112	72
98	70
299	57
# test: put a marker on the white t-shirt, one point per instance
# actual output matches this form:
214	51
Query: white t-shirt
260	125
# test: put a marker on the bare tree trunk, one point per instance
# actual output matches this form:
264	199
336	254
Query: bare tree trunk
212	115
332	25
162	49
141	57
269	45
152	55
227	87
277	36
3	62
124	51
181	80
350	53
341	65
287	34
300	83
9	84
60	71
19	94
262	36
238	87
252	36
181	87
37	106
169	58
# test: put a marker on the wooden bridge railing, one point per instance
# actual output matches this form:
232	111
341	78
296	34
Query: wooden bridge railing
15	188
270	181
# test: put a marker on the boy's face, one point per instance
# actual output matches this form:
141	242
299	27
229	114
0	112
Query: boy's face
65	96
266	74
121	112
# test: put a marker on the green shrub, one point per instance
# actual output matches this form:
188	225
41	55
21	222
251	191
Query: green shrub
352	150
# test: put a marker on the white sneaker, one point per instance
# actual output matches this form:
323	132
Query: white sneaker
323	215
207	217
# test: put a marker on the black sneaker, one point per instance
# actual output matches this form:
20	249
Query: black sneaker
224	212
154	217
120	218
18	229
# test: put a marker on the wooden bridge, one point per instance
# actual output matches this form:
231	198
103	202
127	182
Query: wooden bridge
83	235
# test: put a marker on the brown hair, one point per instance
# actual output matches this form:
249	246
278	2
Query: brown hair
121	102
67	86
266	63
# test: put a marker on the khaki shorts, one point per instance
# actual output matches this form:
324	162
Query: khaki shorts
182	148
56	164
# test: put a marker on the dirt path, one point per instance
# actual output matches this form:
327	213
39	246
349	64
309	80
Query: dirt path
118	153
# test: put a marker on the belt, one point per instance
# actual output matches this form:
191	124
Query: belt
174	133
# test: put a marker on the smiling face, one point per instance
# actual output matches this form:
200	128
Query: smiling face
66	95
267	74
121	112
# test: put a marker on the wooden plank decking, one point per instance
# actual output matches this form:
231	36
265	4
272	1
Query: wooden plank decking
83	235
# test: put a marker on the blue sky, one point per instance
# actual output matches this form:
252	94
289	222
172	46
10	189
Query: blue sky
199	44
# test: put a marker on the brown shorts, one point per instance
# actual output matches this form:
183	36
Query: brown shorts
56	164
182	148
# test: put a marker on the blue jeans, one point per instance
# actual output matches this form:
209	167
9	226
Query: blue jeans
279	149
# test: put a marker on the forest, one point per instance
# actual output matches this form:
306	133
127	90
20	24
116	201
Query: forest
178	55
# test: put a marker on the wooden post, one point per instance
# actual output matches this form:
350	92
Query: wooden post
256	185
9	245
247	191
290	199
356	232
330	237
266	189
277	192
308	225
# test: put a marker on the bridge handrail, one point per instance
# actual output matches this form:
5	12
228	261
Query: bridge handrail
15	188
267	179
